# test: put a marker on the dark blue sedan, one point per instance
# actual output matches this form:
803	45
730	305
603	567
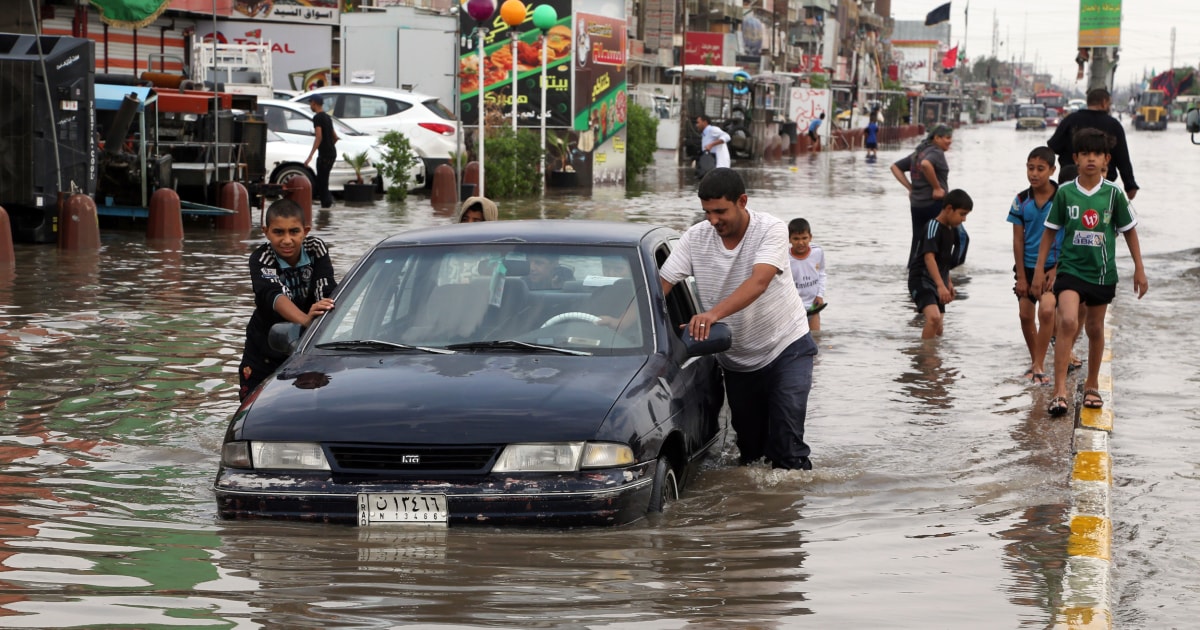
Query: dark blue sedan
499	372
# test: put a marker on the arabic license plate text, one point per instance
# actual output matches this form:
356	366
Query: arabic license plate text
375	509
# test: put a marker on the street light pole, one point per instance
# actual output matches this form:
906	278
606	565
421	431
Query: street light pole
481	11
544	17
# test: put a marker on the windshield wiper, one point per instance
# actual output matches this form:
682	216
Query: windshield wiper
375	344
513	344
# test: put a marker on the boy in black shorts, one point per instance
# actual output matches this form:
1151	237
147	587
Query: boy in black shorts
1090	211
292	277
929	269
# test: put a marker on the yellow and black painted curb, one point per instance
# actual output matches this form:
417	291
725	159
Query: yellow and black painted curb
1086	594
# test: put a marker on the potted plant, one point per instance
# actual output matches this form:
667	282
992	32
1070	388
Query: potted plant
562	175
358	191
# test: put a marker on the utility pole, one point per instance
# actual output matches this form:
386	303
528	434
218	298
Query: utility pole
1172	66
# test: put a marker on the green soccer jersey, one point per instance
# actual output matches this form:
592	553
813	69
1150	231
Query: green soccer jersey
1091	220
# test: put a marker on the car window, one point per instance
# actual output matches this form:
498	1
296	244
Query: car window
437	108
395	107
580	298
361	106
683	301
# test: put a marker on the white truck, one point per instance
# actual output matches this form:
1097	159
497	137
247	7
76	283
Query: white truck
237	68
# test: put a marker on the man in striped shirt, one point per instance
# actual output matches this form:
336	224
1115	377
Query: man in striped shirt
739	260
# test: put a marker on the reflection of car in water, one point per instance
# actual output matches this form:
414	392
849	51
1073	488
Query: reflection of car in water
1031	116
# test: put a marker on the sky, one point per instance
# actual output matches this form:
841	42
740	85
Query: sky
1047	31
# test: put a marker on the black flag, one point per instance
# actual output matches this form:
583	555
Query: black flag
938	15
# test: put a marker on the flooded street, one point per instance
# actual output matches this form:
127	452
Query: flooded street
939	497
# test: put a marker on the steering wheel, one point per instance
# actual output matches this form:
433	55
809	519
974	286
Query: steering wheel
574	315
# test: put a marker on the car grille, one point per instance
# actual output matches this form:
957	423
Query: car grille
412	458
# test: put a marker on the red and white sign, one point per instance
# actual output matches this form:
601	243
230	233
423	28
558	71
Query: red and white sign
704	48
295	48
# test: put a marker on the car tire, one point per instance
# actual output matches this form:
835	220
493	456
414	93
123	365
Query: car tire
666	486
284	173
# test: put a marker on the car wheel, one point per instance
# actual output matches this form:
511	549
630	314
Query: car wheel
282	175
666	486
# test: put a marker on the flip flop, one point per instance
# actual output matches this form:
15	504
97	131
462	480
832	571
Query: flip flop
817	308
1092	399
1040	378
1075	364
1058	406
1028	373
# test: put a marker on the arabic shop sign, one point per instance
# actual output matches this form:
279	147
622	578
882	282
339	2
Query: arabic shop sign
293	11
1099	23
705	49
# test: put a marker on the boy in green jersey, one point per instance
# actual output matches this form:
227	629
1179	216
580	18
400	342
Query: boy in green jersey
1090	211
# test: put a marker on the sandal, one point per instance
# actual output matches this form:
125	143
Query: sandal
1075	364
1058	406
1040	378
1092	399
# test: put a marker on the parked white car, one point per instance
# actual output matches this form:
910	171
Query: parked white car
426	122
293	122
285	160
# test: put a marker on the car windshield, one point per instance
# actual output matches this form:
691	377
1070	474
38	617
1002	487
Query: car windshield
1032	111
436	107
531	298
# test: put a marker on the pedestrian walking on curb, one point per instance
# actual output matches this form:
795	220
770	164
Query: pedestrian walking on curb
1090	211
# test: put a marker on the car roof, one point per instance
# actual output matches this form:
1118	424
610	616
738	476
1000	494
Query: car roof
370	91
549	231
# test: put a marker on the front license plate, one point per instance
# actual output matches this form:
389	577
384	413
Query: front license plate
376	509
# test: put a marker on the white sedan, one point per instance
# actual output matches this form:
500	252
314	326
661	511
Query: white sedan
285	160
293	123
429	126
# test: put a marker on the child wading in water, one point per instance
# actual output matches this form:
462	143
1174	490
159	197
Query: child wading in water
808	270
1089	211
1028	216
929	269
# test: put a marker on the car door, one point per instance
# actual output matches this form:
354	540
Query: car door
697	387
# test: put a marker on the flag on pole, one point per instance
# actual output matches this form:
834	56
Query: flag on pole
130	13
950	60
938	15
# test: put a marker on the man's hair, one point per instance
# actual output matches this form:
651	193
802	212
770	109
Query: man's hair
1043	153
822	115
283	209
318	99
1097	96
958	198
721	183
704	118
798	226
942	130
1091	140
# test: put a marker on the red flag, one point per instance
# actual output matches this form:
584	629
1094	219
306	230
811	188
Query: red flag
950	60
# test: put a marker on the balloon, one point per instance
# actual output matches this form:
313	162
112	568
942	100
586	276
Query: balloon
481	10
512	12
544	17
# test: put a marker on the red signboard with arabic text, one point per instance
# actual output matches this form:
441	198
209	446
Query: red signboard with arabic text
705	48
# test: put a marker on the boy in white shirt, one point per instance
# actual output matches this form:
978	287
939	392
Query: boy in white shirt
808	270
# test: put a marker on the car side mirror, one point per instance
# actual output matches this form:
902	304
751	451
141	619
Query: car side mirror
284	337
1192	121
719	340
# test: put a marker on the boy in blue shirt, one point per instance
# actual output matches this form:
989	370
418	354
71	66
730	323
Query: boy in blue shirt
1028	217
812	132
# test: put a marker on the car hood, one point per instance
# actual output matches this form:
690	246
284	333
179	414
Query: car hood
438	399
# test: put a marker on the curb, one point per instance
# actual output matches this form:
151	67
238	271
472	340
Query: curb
1085	588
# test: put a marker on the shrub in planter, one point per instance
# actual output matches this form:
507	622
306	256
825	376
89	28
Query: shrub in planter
358	190
398	157
642	140
512	163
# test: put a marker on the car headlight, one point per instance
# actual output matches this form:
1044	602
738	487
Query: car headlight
562	457
549	457
274	455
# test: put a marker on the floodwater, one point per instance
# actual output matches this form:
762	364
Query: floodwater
939	498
